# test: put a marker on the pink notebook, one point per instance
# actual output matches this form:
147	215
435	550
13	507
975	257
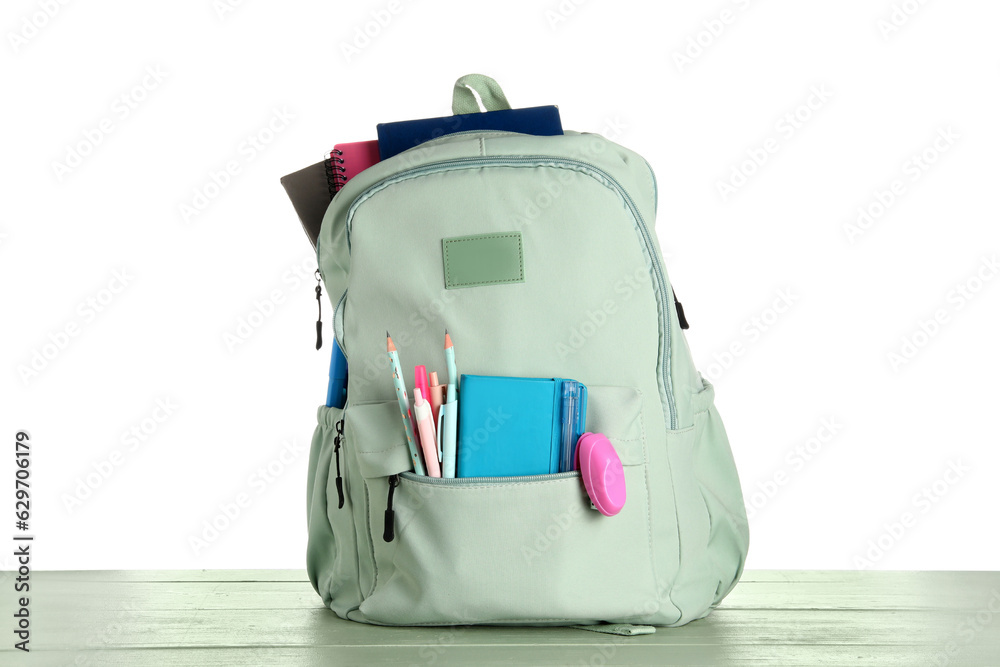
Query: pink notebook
346	161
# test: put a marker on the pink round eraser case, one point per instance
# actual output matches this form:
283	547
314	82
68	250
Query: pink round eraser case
602	472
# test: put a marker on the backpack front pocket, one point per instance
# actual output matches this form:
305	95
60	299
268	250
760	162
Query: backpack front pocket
516	549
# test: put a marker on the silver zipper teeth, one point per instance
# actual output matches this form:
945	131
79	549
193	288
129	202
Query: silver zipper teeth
479	481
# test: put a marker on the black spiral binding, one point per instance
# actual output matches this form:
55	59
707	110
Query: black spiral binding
335	172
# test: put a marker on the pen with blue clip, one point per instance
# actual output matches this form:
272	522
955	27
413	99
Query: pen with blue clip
569	391
574	415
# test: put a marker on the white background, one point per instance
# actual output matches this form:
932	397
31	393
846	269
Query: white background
612	67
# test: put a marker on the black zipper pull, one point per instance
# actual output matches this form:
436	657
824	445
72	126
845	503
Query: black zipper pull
319	311
388	534
337	439
681	320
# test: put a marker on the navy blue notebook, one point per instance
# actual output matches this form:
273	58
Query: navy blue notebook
394	138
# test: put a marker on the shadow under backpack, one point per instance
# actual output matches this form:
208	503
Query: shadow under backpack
595	305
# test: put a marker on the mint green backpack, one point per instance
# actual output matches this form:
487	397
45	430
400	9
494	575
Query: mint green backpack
589	300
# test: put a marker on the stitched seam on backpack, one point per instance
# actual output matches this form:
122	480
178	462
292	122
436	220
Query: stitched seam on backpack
649	500
398	445
677	523
371	542
520	262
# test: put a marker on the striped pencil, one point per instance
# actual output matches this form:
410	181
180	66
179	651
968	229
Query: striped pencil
404	405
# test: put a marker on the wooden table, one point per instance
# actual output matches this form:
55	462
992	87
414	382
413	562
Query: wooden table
272	617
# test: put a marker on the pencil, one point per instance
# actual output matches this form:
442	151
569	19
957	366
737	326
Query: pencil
404	405
449	357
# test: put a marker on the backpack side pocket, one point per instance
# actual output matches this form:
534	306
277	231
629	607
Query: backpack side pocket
331	553
711	515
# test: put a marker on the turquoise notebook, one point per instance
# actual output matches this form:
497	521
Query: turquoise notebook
513	426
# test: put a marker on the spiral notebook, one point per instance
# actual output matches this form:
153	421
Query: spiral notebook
346	161
313	188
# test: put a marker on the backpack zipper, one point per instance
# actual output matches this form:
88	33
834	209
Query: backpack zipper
319	309
480	481
682	320
388	531
337	440
541	161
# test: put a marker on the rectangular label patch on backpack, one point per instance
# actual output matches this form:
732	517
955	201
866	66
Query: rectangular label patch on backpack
483	259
